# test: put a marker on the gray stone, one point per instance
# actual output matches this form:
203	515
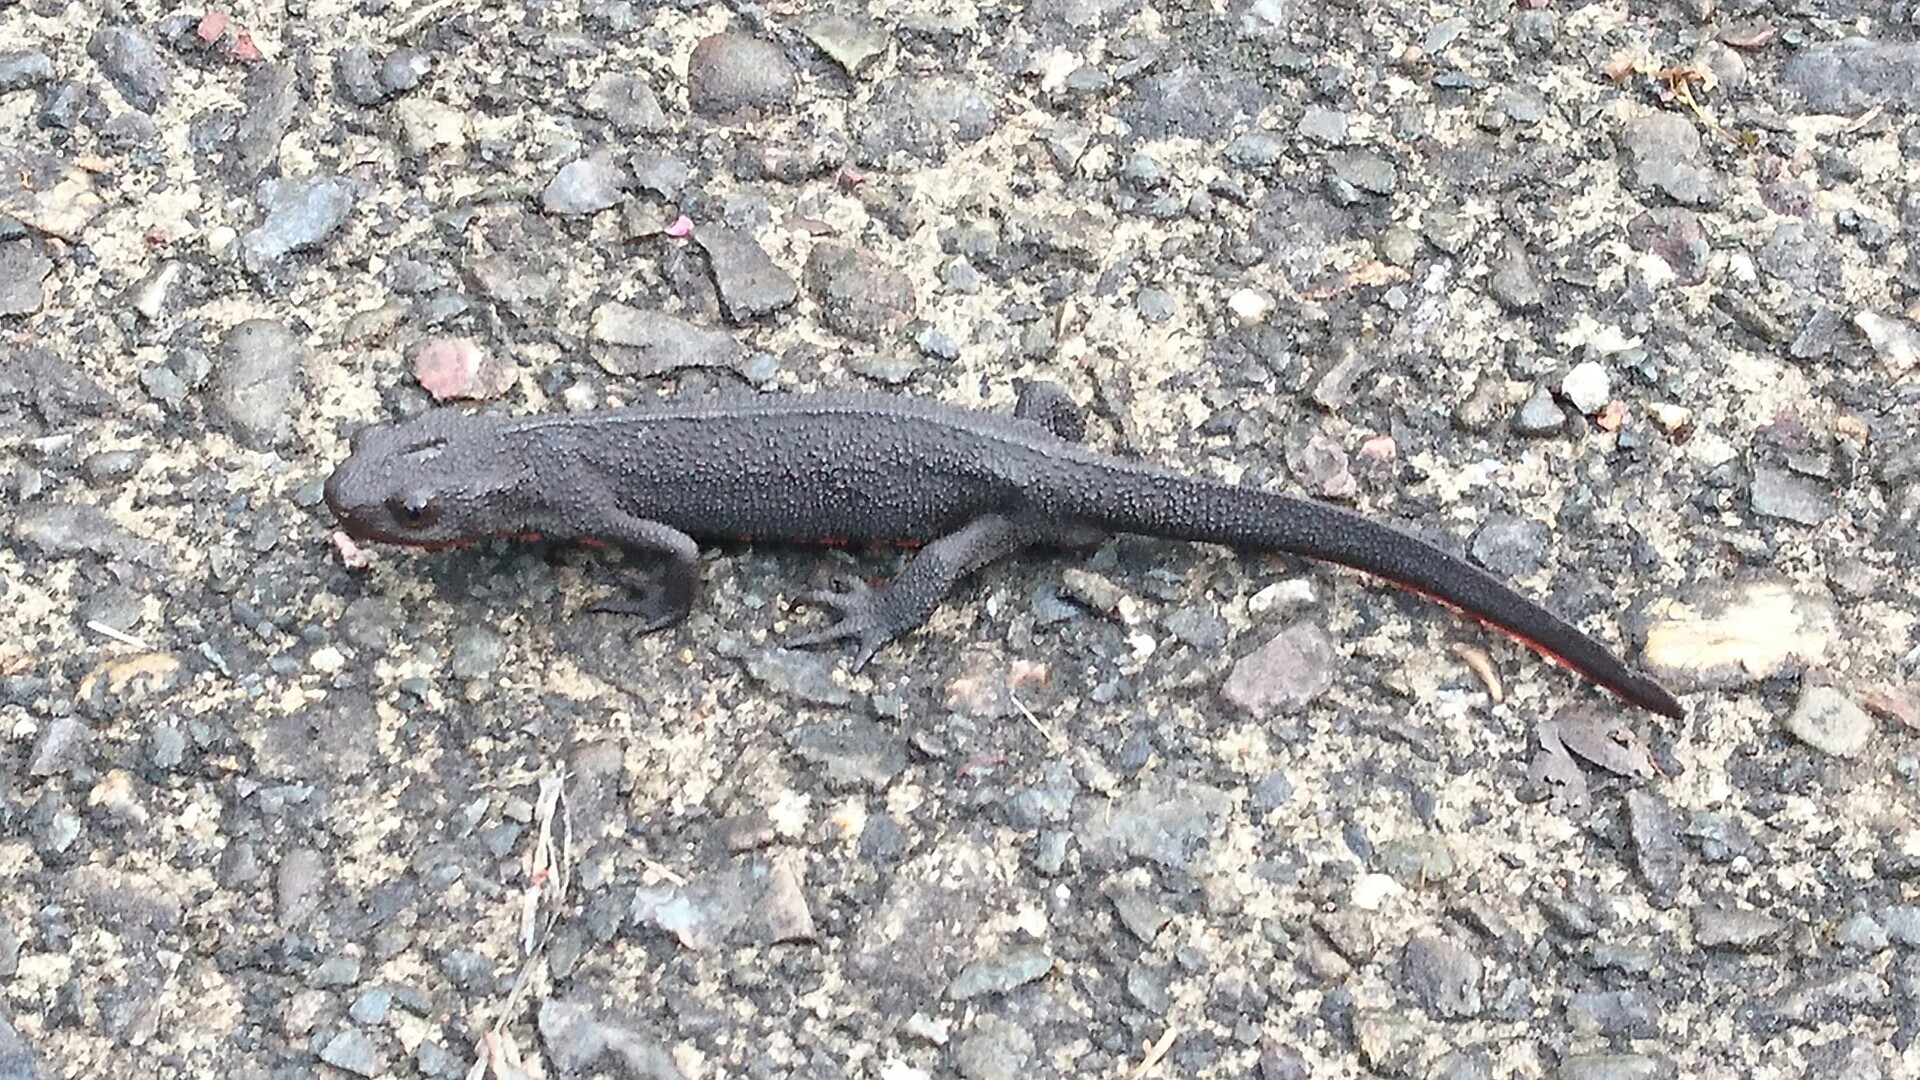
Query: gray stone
61	748
584	187
1613	1067
628	103
728	74
852	751
1367	171
1515	284
639	343
1829	721
1511	547
1324	125
750	283
298	213
23	269
1443	976
920	118
1167	821
353	1052
1539	416
132	65
1736	928
1779	493
1902	923
1861	931
1280	677
995	1049
1855	74
255	376
19	70
1000	974
859	294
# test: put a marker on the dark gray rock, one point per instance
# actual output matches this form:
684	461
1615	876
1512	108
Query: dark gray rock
1165	821
859	295
1256	151
23	269
272	94
1801	254
584	187
1198	626
1417	861
372	1006
1142	914
60	530
1816	340
751	284
296	214
16	1061
1676	235
1200	101
1443	976
920	119
627	103
1324	125
638	343
357	76
1000	974
733	74
1839	997
1654	829
660	174
1516	284
1539	416
1630	1013
851	751
61	748
1735	928
1855	74
1366	171
37	385
132	65
1902	923
1778	493
352	1051
808	676
1511	547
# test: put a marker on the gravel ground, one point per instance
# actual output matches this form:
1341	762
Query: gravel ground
1619	298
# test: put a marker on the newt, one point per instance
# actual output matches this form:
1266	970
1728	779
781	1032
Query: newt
969	486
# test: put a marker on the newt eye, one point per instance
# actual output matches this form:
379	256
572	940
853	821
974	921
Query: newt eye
413	510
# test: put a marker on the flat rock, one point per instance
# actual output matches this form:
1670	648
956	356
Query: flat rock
1740	632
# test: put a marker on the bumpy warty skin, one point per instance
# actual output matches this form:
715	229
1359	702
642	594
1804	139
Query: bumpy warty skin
854	468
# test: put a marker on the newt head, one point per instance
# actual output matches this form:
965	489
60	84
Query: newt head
425	482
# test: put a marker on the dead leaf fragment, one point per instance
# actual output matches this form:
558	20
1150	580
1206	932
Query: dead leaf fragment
157	669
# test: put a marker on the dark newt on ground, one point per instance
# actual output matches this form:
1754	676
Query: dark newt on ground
971	486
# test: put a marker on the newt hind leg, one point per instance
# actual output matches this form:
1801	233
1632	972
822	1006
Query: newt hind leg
871	616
